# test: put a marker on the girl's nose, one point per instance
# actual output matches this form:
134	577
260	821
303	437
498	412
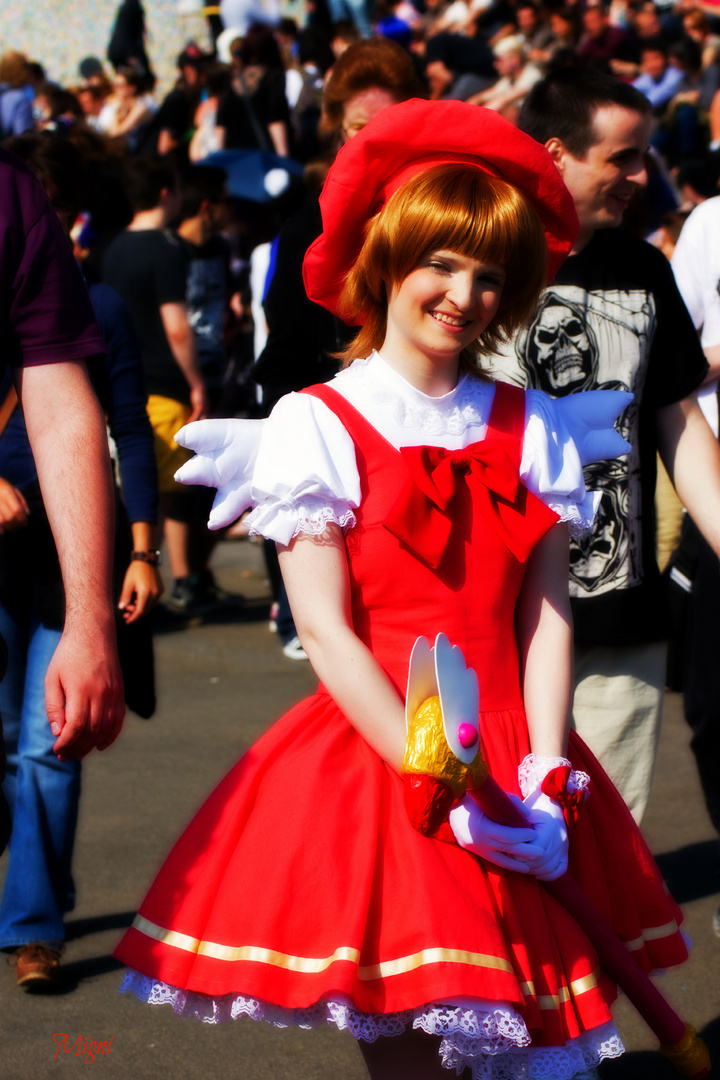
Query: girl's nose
462	291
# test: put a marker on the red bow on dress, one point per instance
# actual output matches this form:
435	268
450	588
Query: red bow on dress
422	517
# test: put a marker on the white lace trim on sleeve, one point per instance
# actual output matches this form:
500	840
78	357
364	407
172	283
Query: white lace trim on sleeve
305	475
560	437
309	515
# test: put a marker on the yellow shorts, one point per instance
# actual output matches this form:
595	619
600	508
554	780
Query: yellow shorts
167	417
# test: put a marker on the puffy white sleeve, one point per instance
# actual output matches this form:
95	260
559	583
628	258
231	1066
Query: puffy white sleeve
562	435
305	475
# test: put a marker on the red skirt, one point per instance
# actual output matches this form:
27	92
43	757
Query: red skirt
301	880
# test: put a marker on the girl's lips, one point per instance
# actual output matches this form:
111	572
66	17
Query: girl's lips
449	320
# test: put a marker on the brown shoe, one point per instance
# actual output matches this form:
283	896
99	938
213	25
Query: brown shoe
38	968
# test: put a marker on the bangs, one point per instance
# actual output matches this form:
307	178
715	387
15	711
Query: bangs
456	208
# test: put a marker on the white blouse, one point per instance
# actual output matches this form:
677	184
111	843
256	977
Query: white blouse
297	469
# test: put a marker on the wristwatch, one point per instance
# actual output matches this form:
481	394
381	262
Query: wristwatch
152	557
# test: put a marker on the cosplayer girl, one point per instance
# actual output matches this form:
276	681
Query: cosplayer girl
412	496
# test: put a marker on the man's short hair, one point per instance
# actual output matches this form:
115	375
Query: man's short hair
563	106
656	45
145	179
201	183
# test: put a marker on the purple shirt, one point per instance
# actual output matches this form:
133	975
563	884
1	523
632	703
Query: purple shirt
46	315
612	44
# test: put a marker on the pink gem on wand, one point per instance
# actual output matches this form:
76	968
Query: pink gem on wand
467	736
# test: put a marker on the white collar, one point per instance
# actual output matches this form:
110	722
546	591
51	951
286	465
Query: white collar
371	384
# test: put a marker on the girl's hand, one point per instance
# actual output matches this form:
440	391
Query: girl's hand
547	853
142	587
500	844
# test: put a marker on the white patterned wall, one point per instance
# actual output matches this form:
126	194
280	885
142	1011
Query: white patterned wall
59	33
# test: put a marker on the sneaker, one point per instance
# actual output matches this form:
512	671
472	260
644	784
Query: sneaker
294	650
198	595
37	968
182	596
272	625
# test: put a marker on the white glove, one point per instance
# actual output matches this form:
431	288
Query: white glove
547	854
226	451
499	844
591	421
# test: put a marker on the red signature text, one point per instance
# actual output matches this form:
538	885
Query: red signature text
87	1049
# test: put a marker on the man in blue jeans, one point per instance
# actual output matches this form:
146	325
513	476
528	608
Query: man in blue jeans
48	329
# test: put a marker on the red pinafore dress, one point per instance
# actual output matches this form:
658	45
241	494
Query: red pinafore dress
301	878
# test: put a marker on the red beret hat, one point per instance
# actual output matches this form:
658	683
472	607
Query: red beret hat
402	141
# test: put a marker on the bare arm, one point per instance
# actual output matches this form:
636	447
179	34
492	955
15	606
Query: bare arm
544	629
316	578
137	114
166	143
83	685
182	343
691	455
279	136
712	355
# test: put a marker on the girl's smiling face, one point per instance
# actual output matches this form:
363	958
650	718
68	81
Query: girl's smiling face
441	307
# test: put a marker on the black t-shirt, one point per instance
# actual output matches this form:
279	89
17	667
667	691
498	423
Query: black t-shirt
302	335
267	103
174	115
147	269
613	318
207	295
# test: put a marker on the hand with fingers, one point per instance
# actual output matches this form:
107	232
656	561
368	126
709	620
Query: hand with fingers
84	691
142	588
14	510
225	454
547	852
500	844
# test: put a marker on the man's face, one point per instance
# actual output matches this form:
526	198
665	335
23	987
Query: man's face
171	201
653	63
605	180
508	64
218	213
594	21
646	21
526	20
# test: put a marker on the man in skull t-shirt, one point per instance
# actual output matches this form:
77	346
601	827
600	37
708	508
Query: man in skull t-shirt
613	318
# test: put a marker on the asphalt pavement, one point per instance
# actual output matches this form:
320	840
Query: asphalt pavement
221	682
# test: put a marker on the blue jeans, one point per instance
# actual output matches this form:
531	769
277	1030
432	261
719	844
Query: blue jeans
359	11
43	793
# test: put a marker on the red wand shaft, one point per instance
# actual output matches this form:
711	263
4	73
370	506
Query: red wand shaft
678	1040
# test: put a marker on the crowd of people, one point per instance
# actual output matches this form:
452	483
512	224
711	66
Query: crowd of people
203	226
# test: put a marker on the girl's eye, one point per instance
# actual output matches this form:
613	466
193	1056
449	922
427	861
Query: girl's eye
435	265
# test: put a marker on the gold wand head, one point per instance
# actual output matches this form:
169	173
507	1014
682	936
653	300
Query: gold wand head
443	757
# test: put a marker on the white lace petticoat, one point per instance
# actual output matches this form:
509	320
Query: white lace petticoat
492	1042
